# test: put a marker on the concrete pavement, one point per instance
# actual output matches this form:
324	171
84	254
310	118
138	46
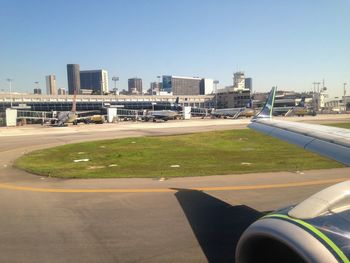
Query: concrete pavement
181	224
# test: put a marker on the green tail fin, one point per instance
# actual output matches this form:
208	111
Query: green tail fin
266	111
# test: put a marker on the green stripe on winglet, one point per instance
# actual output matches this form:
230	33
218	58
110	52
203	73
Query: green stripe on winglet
317	232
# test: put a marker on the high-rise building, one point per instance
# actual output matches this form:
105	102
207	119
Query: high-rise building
135	86
238	80
61	91
248	84
155	88
182	85
37	91
94	80
206	86
51	85
73	76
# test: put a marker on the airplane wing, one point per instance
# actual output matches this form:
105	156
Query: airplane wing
315	230
331	142
87	112
82	118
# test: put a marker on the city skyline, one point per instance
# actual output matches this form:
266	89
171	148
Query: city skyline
290	45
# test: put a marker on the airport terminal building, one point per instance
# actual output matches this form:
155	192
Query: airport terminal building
34	102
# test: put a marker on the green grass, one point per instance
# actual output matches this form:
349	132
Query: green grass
340	125
210	153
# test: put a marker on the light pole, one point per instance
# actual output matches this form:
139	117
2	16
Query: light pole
10	85
216	82
344	99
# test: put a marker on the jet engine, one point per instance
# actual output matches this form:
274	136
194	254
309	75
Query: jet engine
315	230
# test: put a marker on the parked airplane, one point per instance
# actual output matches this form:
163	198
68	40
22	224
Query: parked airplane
315	230
299	110
232	112
173	106
164	115
71	116
176	106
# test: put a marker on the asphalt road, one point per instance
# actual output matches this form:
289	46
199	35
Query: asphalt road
195	219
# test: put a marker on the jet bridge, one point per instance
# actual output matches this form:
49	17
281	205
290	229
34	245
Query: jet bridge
114	114
34	115
200	112
228	113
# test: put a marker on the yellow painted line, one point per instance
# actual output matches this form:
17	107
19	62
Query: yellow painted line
167	190
270	186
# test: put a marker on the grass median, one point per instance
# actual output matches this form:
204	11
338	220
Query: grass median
340	125
200	154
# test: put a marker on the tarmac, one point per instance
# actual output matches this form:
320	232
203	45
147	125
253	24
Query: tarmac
197	219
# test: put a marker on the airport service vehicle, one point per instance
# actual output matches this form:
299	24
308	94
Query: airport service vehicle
300	109
315	230
100	119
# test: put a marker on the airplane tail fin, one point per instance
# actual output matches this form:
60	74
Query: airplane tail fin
266	111
302	102
74	106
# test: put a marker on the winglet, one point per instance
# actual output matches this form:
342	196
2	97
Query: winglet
266	111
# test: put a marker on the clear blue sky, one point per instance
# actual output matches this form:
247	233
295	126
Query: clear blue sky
288	43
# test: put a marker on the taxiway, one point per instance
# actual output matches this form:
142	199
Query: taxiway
196	219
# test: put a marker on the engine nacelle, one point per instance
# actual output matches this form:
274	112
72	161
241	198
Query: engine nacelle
316	230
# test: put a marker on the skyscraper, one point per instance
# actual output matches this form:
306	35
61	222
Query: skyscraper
73	76
94	80
249	84
37	91
51	85
155	88
206	86
61	91
182	85
135	86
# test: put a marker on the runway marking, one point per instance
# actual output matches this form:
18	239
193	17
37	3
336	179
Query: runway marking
167	190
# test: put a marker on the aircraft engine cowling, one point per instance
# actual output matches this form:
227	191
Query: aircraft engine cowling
316	230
